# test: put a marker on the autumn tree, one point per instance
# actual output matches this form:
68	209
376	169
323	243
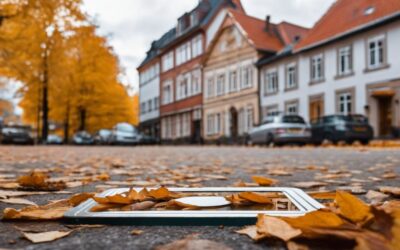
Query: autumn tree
67	67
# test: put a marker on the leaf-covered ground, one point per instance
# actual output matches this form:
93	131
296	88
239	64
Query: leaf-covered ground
369	173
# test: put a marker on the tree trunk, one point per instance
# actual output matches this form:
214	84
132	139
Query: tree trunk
66	125
82	119
45	101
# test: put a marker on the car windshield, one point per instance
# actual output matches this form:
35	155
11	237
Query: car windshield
292	119
353	118
125	128
14	130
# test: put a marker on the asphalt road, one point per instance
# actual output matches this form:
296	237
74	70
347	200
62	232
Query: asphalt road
360	166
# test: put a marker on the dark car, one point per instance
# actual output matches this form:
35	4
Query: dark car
147	140
346	128
16	134
102	137
82	138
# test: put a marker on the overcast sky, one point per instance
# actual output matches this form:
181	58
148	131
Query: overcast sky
133	24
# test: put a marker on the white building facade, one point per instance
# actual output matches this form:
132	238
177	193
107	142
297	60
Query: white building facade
356	74
149	97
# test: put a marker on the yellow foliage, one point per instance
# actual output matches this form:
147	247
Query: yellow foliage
41	46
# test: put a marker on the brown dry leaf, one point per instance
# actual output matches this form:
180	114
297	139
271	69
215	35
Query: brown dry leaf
351	207
390	175
18	201
191	243
256	197
103	177
251	231
144	205
323	195
316	219
276	227
376	197
137	232
40	181
7	194
279	172
161	193
119	199
9	185
291	245
46	236
309	184
51	211
395	191
77	199
264	181
104	207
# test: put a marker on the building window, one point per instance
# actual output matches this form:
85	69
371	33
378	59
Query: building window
197	46
210	87
291	76
218	124
196	82
233	81
182	87
271	111
292	108
376	52
168	61
150	105
149	74
317	68
167	93
220	85
345	102
183	53
143	108
156	103
271	84
345	60
186	125
247	77
210	124
178	126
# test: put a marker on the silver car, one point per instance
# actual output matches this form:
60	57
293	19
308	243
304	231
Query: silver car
281	129
124	134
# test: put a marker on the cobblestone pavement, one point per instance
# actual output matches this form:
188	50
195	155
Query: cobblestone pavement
363	168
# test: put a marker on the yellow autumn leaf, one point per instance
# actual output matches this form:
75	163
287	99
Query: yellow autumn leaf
351	207
264	181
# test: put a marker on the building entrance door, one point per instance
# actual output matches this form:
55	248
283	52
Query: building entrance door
196	132
385	115
316	107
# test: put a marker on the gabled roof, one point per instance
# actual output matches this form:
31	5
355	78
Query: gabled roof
255	30
274	39
347	16
171	36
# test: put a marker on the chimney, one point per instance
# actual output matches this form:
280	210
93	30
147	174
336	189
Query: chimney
268	23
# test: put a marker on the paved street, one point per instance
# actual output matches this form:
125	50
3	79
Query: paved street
359	169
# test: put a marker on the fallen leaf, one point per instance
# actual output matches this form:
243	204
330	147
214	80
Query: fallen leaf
46	236
395	191
264	181
251	231
323	195
40	181
77	199
291	245
137	232
18	201
376	197
309	184
51	211
276	227
351	207
316	219
256	197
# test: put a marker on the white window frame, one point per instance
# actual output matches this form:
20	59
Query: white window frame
345	63
291	76
197	46
271	82
345	104
220	86
233	81
246	77
167	61
378	53
317	68
167	98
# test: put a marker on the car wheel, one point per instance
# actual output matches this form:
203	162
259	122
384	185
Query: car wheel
365	142
330	138
270	140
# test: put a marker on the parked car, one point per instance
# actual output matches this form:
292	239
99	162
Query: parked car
54	140
347	128
124	134
82	138
147	140
102	137
15	134
281	129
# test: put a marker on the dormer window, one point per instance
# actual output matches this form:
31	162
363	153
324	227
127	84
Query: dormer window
368	11
194	19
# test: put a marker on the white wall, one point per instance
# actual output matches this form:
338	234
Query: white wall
149	91
359	80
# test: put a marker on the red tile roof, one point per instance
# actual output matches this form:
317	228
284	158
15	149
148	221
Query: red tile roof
347	15
273	40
